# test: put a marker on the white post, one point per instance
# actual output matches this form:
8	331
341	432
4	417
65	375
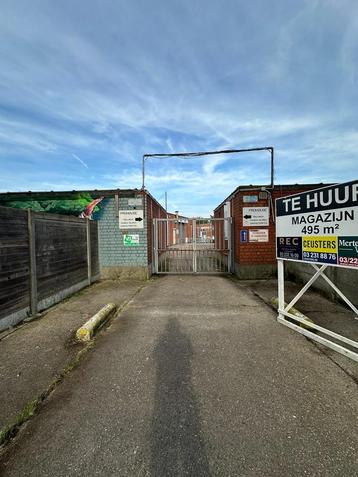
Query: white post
281	286
194	245
155	246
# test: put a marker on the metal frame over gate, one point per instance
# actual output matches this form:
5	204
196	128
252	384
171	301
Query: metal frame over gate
192	246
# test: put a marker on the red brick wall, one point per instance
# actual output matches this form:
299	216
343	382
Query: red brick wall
153	211
188	228
255	253
219	230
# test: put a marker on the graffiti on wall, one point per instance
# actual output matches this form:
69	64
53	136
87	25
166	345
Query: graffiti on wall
83	205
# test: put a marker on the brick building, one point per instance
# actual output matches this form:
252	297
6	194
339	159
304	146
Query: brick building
179	229
252	209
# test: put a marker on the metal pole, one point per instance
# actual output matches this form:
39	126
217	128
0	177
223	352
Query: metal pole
143	172
155	246
194	245
167	224
272	167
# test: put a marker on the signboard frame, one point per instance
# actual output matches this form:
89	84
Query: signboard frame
321	222
285	316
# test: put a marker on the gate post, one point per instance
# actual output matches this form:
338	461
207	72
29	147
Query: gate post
194	247
155	246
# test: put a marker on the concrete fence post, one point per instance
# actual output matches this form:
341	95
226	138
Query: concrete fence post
89	265
32	251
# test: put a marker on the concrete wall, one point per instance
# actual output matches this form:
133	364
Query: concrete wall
255	272
345	279
116	259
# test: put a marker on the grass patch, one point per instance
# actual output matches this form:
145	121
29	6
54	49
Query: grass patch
26	413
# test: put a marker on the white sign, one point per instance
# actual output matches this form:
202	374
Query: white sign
255	216
319	226
130	240
250	198
258	235
227	224
130	219
137	202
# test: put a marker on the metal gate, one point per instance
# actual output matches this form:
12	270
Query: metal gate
200	245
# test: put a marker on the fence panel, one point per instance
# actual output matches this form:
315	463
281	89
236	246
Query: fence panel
61	253
14	262
94	250
43	258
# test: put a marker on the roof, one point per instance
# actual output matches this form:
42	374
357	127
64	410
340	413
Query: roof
280	187
69	194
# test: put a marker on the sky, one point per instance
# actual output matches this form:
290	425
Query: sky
88	87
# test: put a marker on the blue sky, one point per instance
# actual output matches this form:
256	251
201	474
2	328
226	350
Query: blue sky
87	87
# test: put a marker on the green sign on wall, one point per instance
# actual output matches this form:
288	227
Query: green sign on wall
131	240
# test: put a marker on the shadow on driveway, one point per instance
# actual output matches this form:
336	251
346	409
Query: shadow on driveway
177	446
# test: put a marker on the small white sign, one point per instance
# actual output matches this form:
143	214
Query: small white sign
130	240
137	202
250	198
130	219
258	235
255	216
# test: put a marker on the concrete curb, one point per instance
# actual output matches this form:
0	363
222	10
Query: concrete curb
87	330
297	313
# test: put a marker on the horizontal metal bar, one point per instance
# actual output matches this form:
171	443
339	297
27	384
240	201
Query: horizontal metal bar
194	273
196	250
320	328
330	344
208	153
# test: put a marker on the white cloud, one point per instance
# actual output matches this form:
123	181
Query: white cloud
113	83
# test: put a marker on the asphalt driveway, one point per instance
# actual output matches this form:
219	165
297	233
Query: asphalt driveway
195	378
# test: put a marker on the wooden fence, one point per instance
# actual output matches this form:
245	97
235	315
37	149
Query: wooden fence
43	259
